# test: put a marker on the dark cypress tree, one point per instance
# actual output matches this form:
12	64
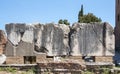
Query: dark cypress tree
87	18
80	14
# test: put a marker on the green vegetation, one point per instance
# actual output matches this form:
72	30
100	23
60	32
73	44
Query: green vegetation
100	70
9	70
83	18
87	72
87	18
80	14
106	70
12	70
30	71
65	21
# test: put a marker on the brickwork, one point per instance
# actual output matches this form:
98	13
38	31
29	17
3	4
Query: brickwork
41	58
20	59
15	60
103	59
76	58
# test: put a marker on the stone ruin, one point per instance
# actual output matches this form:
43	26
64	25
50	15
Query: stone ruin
3	41
46	41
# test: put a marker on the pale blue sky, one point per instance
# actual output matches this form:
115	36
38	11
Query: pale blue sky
47	11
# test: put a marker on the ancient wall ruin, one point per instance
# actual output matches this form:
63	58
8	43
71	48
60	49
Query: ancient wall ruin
45	41
3	40
31	40
93	39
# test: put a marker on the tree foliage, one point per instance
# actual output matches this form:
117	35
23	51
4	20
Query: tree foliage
90	17
65	21
60	21
80	14
87	18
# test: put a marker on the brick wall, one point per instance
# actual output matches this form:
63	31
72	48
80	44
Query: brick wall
15	60
43	58
103	59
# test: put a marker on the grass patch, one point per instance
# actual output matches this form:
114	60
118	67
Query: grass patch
12	70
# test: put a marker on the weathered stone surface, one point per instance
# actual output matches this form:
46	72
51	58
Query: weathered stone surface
2	49
92	39
3	40
2	58
24	49
28	35
10	49
34	39
15	32
66	31
20	39
110	41
50	38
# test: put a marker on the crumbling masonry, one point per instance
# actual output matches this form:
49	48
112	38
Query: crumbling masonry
42	42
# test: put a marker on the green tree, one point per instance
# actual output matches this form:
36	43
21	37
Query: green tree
81	13
90	17
60	21
65	21
87	18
